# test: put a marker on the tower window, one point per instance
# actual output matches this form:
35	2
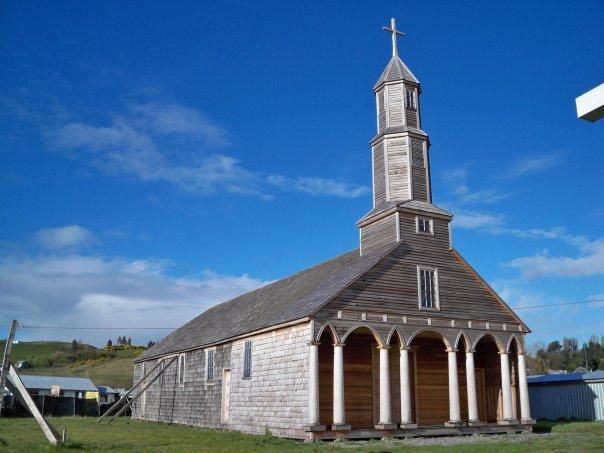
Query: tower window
411	99
428	288
424	225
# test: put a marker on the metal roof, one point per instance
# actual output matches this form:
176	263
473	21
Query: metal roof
32	381
566	377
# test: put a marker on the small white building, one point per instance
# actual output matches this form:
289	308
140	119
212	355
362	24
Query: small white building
590	106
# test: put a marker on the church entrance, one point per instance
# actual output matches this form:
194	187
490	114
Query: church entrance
486	359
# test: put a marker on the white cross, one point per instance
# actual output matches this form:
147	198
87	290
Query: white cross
394	32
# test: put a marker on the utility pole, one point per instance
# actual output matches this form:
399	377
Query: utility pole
6	360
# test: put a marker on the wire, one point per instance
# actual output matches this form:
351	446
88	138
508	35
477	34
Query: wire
97	328
174	328
558	305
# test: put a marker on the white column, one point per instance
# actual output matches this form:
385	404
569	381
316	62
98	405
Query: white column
506	387
471	387
338	385
385	406
313	384
406	420
525	407
454	408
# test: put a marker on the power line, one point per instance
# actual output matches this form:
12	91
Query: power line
97	328
174	328
558	305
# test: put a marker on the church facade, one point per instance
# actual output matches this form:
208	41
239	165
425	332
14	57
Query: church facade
399	337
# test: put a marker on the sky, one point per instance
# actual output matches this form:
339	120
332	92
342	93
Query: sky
157	158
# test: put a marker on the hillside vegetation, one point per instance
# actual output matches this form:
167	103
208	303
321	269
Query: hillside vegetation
108	366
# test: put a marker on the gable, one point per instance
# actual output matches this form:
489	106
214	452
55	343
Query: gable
391	287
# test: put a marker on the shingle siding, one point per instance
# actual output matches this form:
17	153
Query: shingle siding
275	397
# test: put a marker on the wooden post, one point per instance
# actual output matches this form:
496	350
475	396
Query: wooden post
126	406
18	389
125	397
6	360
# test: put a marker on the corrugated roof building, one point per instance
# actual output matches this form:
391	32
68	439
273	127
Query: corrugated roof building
578	396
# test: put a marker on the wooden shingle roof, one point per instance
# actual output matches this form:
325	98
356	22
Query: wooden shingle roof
395	71
291	298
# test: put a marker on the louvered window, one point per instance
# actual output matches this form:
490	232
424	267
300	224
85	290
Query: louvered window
411	99
247	360
428	288
210	365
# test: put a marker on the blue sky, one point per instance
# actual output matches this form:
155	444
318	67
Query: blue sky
159	157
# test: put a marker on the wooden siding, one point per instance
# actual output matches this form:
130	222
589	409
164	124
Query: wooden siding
420	184
381	111
379	174
398	168
411	118
378	233
275	397
391	286
395	105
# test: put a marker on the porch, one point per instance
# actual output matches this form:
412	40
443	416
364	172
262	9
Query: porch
420	384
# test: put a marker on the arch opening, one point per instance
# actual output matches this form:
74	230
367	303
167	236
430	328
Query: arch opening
326	340
488	378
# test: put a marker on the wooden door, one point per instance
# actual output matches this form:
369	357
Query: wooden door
226	395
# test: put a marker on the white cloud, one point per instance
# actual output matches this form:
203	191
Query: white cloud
533	164
473	219
158	143
588	262
92	291
64	237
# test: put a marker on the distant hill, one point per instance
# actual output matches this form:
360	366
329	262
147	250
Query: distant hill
56	358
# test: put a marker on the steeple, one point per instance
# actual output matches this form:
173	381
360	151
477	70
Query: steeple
400	150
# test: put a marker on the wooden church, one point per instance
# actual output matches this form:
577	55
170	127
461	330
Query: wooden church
399	337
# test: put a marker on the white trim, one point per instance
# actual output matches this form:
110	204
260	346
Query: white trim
373	173
398	226
436	289
386	170
427	167
377	108
404	108
360	241
450	235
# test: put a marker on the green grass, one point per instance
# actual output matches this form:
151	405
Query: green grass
137	436
115	371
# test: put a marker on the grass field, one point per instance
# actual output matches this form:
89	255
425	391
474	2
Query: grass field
116	371
132	436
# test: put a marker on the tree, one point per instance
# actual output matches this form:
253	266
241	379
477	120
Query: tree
109	343
150	344
129	341
74	345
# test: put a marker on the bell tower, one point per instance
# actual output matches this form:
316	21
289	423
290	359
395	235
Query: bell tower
399	152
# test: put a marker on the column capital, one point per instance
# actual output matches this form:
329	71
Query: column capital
386	346
339	345
405	348
502	353
518	353
471	351
451	350
313	343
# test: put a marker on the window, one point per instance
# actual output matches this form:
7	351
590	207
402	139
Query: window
411	99
424	225
181	369
210	364
247	360
428	288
